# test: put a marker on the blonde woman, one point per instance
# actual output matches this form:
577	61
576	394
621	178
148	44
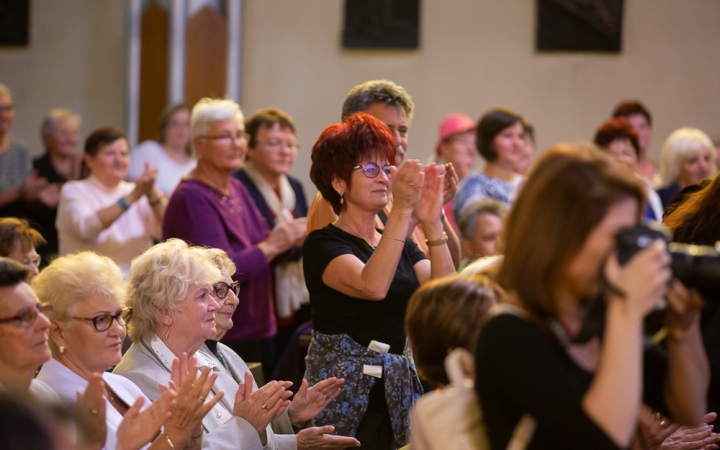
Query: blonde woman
86	291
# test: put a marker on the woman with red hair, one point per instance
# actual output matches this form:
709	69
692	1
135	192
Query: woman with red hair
360	279
618	137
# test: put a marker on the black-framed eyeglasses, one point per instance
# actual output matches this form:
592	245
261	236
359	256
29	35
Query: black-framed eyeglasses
25	318
222	289
103	322
372	169
227	138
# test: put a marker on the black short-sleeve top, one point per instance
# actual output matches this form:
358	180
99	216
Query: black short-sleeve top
364	320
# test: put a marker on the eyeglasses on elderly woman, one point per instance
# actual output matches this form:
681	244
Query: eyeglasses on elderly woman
372	169
102	322
26	316
222	289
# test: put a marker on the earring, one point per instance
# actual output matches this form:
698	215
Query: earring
342	200
62	349
167	333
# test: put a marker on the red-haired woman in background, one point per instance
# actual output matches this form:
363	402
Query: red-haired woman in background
639	117
360	279
618	137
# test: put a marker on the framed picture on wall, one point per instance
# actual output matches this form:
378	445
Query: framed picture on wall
381	24
579	25
14	22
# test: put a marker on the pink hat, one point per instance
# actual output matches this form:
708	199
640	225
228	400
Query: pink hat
453	124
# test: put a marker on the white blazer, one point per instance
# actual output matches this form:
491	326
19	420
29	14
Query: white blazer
67	384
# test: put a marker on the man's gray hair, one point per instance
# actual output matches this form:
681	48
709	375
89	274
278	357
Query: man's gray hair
363	95
53	117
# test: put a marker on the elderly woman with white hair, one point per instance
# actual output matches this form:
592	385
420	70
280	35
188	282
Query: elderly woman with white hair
211	208
172	292
60	132
687	157
85	292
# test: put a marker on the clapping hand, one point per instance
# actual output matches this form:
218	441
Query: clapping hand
309	402
138	428
687	437
91	413
262	406
190	408
407	181
450	184
320	438
428	209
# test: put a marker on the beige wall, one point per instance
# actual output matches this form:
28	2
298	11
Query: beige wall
474	55
76	59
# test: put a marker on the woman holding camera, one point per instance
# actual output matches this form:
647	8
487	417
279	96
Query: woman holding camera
560	253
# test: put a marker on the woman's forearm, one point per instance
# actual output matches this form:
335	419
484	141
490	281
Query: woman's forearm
441	262
688	377
110	214
614	398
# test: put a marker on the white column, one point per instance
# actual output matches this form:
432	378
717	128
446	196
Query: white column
234	18
176	52
133	88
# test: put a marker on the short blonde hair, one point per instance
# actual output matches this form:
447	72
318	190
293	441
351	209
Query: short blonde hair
221	260
209	110
677	146
160	280
71	279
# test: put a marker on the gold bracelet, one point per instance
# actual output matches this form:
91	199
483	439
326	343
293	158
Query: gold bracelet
437	242
168	439
394	238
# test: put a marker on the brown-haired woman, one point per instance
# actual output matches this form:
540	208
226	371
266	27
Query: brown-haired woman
446	314
103	212
360	280
584	395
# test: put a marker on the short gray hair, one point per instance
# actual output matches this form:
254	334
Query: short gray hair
363	95
209	110
677	146
160	280
53	117
467	222
221	260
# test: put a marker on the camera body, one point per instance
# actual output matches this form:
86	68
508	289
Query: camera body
696	266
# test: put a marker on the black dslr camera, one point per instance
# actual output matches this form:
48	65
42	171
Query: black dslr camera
696	266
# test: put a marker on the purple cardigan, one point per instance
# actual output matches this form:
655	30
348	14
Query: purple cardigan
201	215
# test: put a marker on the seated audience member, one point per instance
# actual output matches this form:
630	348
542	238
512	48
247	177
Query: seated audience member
18	182
23	334
446	314
60	131
18	241
213	209
618	137
688	156
456	145
392	105
639	117
360	279
523	164
105	213
481	227
501	141
271	152
171	154
85	291
172	292
582	394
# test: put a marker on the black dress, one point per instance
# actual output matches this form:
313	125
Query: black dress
524	369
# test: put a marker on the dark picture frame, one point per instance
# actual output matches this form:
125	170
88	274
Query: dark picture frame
14	22
579	25
382	24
